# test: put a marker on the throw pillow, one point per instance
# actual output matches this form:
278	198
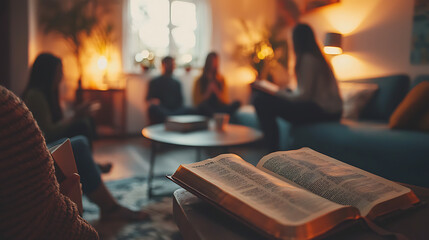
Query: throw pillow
413	111
355	97
424	122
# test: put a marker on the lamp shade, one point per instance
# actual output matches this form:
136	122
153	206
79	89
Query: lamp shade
333	43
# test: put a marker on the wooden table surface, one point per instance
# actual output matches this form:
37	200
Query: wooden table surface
197	219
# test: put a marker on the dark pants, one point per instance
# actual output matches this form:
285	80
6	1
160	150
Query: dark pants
269	107
158	113
212	106
83	127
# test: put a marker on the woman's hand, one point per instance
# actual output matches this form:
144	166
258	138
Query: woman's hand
87	109
72	188
214	88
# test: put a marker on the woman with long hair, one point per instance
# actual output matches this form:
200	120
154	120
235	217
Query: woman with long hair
210	92
42	98
316	97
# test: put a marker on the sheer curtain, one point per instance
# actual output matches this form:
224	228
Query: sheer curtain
132	43
204	31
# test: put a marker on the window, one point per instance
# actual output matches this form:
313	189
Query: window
157	28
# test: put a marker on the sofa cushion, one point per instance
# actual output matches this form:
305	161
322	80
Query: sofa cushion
391	91
399	155
409	114
355	97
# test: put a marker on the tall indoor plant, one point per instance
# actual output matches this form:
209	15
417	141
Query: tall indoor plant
74	21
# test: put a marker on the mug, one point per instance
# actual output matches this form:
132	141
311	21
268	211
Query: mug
221	119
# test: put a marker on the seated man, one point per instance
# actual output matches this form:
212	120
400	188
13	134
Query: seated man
164	96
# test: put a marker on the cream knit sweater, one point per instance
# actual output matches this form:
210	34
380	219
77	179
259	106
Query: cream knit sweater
31	205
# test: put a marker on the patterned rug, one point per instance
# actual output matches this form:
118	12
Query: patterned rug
132	192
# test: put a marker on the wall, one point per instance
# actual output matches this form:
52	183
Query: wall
377	36
4	43
19	30
227	32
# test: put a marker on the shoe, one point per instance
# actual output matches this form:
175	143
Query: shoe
105	167
120	213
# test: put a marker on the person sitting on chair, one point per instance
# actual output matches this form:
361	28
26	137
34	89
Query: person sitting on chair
210	91
164	95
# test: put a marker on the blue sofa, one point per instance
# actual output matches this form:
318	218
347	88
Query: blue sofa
368	143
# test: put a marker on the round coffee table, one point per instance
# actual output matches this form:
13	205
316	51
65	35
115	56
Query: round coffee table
232	135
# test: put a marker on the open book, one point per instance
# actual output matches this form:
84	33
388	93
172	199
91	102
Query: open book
297	194
266	86
64	159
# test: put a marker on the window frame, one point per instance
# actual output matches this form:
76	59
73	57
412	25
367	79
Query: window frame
202	36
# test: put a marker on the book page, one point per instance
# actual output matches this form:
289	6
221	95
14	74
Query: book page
331	179
275	198
266	86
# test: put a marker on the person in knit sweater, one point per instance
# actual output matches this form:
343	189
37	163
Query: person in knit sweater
31	204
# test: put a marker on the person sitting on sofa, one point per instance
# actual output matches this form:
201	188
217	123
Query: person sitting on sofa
210	92
32	202
164	96
42	98
316	98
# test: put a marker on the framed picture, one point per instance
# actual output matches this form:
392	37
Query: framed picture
313	4
420	35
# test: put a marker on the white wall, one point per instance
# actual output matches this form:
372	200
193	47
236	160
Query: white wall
377	36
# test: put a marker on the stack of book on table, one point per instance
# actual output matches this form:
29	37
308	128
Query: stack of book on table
186	123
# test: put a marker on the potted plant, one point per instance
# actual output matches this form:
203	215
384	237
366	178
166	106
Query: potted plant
74	21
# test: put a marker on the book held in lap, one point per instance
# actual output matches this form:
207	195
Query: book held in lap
297	194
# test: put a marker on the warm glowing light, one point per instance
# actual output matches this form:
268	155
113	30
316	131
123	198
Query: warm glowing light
348	16
353	66
333	50
265	52
243	76
102	63
103	71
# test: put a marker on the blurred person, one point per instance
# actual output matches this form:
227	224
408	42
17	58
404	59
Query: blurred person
42	97
210	93
33	204
164	96
316	98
